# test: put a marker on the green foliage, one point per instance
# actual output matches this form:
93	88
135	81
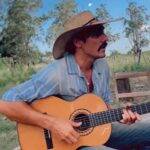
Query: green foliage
61	13
103	14
133	67
19	30
11	76
137	19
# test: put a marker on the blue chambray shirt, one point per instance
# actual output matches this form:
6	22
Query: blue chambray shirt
62	77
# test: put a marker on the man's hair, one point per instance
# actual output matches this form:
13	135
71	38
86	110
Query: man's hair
82	35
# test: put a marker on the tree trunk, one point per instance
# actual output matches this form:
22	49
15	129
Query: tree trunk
139	56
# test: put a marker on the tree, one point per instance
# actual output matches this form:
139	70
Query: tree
134	24
19	29
61	13
103	14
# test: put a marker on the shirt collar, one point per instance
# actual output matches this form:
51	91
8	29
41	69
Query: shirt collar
97	66
73	67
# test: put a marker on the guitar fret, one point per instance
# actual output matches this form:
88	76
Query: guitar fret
113	115
99	120
109	116
119	114
93	120
103	118
107	119
146	107
141	112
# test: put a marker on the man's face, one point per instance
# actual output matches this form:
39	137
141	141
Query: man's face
95	46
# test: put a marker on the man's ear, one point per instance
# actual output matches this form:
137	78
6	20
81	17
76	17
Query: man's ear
78	43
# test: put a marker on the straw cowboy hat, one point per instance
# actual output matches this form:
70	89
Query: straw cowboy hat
72	26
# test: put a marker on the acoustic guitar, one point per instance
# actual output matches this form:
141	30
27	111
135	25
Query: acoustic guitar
89	109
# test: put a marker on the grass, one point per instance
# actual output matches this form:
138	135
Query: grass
8	134
125	63
13	76
10	77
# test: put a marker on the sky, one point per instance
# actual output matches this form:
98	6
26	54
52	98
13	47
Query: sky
116	8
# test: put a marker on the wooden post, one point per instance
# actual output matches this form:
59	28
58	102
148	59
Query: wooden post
123	86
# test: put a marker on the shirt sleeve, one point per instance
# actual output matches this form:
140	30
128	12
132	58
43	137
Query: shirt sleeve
42	84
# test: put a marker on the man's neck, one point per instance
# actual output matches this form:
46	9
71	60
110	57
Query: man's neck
85	62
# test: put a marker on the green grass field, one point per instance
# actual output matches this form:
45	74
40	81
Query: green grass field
10	77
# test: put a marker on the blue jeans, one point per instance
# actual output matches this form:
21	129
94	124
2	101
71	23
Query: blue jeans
124	136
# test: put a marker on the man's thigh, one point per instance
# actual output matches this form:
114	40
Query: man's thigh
136	133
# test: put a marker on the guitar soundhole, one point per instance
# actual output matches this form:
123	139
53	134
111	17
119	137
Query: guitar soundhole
85	122
81	115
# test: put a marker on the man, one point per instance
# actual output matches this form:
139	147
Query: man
79	68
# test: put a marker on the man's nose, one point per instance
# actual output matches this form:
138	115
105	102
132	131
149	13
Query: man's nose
104	38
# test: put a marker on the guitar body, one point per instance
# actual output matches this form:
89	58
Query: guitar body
33	138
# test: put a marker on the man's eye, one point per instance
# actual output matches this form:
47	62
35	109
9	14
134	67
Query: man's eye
95	36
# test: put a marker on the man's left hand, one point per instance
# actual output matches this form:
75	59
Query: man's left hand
130	117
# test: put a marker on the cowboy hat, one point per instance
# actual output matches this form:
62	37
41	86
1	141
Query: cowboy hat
72	26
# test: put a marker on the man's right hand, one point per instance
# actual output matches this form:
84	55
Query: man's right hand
64	130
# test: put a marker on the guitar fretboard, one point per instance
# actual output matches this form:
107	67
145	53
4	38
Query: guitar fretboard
113	115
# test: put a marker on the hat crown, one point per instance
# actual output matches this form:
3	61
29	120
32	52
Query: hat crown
78	20
72	26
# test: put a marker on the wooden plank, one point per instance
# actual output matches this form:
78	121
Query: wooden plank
116	91
133	94
122	75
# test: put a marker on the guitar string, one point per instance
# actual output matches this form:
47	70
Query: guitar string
96	122
137	109
99	120
105	119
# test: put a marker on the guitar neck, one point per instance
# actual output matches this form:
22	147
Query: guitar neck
113	115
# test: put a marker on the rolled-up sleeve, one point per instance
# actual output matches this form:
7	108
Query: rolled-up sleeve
42	84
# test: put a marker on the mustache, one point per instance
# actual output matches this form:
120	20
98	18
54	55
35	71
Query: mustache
104	44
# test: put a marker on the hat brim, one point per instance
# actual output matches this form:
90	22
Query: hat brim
61	41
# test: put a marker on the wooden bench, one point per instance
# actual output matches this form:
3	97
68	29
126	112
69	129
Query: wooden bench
122	85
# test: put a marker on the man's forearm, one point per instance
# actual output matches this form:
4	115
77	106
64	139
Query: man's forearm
24	113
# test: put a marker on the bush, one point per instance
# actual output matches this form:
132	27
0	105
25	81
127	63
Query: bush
134	67
11	76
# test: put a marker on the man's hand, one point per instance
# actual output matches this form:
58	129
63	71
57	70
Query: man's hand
130	117
64	130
